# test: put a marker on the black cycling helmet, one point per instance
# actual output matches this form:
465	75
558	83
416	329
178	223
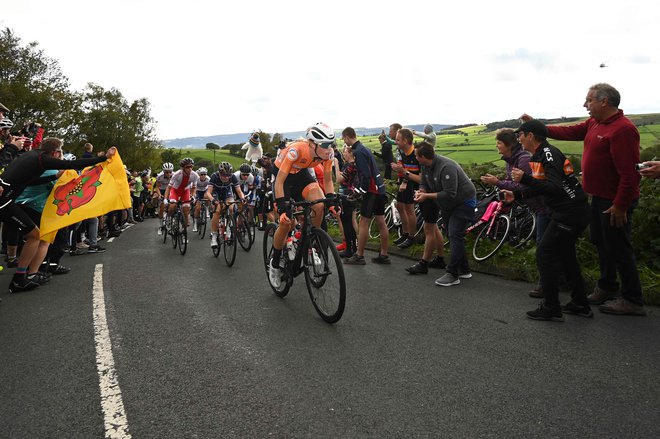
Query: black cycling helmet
245	168
187	162
225	168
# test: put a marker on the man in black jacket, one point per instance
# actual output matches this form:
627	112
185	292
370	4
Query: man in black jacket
553	177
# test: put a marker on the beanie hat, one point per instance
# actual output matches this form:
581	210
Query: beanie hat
254	139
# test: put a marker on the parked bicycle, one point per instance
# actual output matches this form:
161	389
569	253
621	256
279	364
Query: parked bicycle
311	251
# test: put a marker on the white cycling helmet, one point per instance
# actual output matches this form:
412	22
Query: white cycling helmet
320	134
6	124
202	171
168	166
68	156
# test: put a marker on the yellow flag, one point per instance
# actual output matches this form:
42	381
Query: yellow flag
98	190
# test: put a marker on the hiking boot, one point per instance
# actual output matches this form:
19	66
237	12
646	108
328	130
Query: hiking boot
95	249
600	296
545	313
537	293
355	260
422	267
437	262
21	282
381	259
274	275
447	280
622	307
406	243
400	239
578	310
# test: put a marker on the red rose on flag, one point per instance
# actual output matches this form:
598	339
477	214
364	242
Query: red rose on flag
78	191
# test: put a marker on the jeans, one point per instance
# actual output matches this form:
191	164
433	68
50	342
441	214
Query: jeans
615	252
459	219
92	227
555	255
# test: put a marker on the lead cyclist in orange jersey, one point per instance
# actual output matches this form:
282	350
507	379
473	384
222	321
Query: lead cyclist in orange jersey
293	180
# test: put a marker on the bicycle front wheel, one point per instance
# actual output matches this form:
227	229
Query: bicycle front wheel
490	238
242	233
324	276
201	225
523	226
182	234
230	240
174	230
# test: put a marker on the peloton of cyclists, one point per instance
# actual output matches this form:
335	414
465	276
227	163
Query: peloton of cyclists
221	189
294	181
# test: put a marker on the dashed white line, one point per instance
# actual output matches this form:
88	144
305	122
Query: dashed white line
111	239
112	405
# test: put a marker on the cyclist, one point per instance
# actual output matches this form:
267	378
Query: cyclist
202	185
179	188
248	179
265	203
160	186
294	181
224	184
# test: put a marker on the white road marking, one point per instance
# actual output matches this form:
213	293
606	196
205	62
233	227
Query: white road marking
111	239
112	405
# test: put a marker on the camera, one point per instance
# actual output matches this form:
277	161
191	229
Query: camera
640	166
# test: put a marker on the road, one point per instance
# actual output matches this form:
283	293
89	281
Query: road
200	350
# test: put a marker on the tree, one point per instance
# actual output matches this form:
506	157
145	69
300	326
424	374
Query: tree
171	155
212	146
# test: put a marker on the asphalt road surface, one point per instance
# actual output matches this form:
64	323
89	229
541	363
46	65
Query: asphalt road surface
171	346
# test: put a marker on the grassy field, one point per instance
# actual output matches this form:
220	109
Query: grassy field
475	147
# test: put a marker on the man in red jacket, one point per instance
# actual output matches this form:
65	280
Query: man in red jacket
611	150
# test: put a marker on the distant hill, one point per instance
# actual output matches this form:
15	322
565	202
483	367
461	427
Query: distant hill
232	139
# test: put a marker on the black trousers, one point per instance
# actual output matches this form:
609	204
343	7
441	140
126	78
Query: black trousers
346	218
555	255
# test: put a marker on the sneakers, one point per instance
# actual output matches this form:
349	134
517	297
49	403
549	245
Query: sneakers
437	262
41	278
355	260
12	262
21	282
422	267
400	239
95	249
214	240
345	254
448	280
82	245
58	269
341	247
537	293
77	252
406	243
274	275
381	259
465	274
547	314
578	310
600	296
622	307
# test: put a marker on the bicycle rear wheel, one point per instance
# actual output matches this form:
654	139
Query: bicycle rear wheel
174	230
269	233
251	225
242	232
230	241
523	226
182	234
490	238
324	276
163	228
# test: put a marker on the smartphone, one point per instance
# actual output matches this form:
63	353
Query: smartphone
640	166
501	196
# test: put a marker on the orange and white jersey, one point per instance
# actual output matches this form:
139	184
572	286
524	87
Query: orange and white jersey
298	156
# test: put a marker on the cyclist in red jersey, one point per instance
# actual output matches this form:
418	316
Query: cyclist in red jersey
179	188
293	180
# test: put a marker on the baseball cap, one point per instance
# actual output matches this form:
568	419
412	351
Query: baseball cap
533	126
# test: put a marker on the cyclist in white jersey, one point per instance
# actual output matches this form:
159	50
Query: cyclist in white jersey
179	188
160	186
201	186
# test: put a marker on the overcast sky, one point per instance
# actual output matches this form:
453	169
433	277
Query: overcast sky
220	67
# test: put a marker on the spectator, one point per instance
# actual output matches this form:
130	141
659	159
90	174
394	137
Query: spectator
430	210
611	150
553	177
347	178
406	166
386	148
445	183
370	185
516	157
428	135
253	148
88	151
